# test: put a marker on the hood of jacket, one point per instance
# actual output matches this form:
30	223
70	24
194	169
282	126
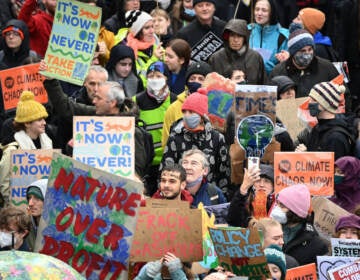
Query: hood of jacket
118	53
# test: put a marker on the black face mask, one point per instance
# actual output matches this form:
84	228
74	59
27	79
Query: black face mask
193	86
314	109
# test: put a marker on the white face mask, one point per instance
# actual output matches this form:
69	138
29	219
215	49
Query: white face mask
6	239
278	215
155	85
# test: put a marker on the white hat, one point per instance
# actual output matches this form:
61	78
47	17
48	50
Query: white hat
136	20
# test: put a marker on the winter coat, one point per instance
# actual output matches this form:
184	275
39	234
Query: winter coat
225	60
347	193
306	245
324	48
202	195
210	141
39	25
319	70
176	82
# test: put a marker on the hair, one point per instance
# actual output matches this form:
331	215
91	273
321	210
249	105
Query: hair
292	218
19	126
175	168
158	12
115	92
337	234
264	223
99	69
182	49
10	215
205	161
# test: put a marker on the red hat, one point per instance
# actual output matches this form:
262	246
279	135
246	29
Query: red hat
196	102
15	29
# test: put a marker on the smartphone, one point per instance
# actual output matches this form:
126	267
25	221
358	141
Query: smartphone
253	161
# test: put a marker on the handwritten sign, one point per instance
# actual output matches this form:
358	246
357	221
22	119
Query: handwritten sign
345	272
89	218
73	40
106	143
314	169
161	230
327	213
345	247
325	263
27	166
239	251
15	80
304	272
206	46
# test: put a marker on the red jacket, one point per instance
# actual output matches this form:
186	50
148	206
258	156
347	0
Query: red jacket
185	195
39	25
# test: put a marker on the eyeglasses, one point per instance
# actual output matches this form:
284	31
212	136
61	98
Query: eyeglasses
13	33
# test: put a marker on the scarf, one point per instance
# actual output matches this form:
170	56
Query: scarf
136	44
259	205
26	143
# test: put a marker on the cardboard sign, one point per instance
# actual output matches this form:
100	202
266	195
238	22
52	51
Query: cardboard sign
286	111
327	214
206	46
161	230
27	166
166	203
15	80
220	92
73	41
106	143
239	250
345	247
345	272
325	263
314	169
89	218
306	272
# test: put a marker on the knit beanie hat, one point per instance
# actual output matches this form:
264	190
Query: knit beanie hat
327	94
197	103
135	20
199	1
299	38
37	188
275	256
267	171
351	221
28	109
283	84
15	29
296	198
159	66
197	67
313	19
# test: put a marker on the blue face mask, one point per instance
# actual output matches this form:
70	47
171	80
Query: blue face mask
338	179
314	109
189	12
193	86
192	184
192	121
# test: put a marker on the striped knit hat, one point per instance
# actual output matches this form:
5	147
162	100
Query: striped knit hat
299	38
327	94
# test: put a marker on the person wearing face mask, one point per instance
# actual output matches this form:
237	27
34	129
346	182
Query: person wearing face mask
152	104
301	240
15	225
182	14
194	130
195	76
303	66
331	133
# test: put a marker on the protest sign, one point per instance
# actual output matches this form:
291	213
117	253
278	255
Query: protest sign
15	80
326	214
27	166
206	46
345	247
220	92
345	272
239	250
325	263
314	169
73	39
89	218
161	230
304	272
166	203
287	112
106	143
254	108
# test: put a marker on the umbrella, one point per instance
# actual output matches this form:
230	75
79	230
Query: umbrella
25	265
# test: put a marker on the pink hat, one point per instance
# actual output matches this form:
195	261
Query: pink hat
197	103
296	198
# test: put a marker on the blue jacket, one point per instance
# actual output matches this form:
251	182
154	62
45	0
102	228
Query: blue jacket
203	196
267	38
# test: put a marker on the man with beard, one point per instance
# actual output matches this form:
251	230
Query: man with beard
39	23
